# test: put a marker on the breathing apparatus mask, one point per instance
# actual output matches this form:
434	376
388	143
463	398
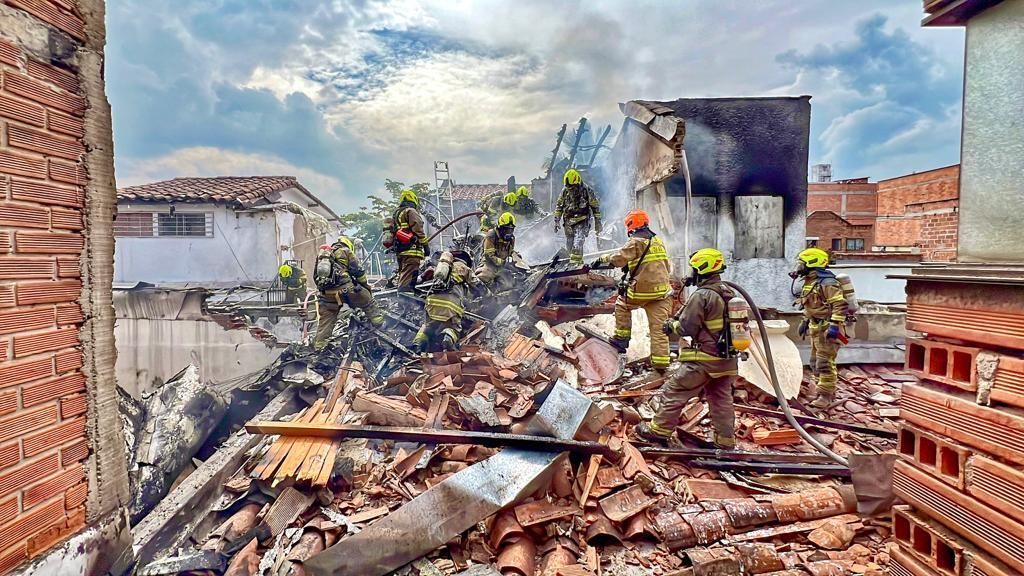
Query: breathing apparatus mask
506	232
799	270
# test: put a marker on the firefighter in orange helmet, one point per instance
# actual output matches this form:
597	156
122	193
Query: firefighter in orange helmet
645	264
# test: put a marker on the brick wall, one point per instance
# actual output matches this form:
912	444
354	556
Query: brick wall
853	200
921	210
48	462
827	226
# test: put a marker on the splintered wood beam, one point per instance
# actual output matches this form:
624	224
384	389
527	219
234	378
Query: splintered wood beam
426	436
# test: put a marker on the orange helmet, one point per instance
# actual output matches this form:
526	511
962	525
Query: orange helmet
636	219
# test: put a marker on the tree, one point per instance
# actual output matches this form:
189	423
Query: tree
367	224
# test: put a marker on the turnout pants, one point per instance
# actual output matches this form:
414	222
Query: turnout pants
330	303
575	235
657	312
408	270
687	381
494	277
432	333
823	355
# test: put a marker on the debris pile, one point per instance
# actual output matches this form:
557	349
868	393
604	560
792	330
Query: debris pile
522	461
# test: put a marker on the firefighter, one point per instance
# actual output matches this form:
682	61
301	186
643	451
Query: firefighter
825	311
444	308
293	278
340	278
709	364
495	205
576	207
410	240
525	206
499	243
645	264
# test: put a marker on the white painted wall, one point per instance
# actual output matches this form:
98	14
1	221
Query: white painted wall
244	248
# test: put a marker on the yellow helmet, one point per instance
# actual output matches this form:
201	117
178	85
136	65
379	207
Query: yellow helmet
523	192
707	261
506	219
510	199
572	177
410	196
814	258
285	271
347	242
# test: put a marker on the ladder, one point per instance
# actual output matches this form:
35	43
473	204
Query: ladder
443	201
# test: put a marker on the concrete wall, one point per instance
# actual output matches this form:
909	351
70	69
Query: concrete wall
62	462
245	247
992	152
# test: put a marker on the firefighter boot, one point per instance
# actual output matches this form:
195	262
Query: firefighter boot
725	442
653	433
620	344
824	400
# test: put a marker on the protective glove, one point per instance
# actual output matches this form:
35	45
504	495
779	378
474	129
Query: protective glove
802	329
833	332
598	263
557	226
670	327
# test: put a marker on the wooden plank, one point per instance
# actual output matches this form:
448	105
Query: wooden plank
299	449
758	227
276	454
325	450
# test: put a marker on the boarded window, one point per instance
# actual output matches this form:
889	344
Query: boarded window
185	224
759	230
134	225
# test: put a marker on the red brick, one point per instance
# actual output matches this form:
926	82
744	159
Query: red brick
55	486
31	523
66	219
7	296
56	76
22	165
65	124
69	314
46	193
24	216
69	267
26	421
69	173
74	453
12	268
21	111
44	143
10	454
43	94
9	54
68	360
38	393
42	441
12	373
9	508
25	320
53	15
74	405
11	558
30	344
49	292
48	243
27	472
76	495
8	402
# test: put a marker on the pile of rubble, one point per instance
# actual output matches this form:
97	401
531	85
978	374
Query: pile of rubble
522	462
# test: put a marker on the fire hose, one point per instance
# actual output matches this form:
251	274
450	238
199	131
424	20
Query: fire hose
445	227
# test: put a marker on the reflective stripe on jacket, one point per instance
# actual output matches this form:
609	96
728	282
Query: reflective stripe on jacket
408	218
652	277
822	298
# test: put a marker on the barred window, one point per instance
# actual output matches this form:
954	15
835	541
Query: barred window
133	225
152	224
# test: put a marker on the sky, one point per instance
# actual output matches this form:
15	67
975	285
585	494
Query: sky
346	94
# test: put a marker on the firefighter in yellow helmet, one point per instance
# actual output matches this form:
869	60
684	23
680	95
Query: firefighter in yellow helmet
499	243
825	311
293	278
708	365
645	264
445	304
341	280
495	205
409	240
576	209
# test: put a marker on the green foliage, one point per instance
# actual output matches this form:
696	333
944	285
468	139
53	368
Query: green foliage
367	224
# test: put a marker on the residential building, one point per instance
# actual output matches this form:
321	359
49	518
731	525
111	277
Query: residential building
214	232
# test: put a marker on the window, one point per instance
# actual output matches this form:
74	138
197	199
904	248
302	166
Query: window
853	244
837	243
183	224
811	243
152	224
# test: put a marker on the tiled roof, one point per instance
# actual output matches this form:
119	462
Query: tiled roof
243	190
478	191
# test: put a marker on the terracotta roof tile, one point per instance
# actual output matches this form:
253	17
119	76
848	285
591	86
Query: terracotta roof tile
477	191
244	190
